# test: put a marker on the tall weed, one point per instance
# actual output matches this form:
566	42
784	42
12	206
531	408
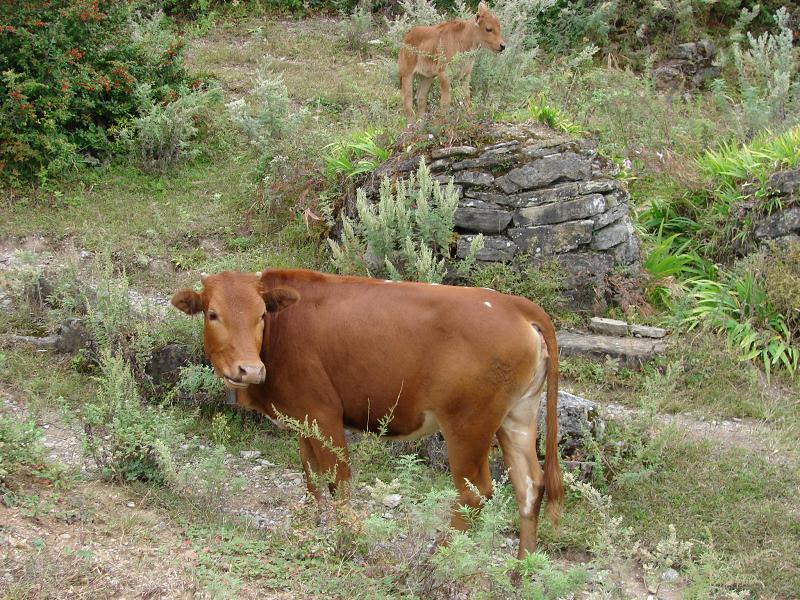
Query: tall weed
767	73
405	235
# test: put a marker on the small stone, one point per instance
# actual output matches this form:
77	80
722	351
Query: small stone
544	171
610	236
559	212
392	500
670	575
388	515
608	326
544	240
265	462
130	504
453	151
495	248
473	178
481	217
439	165
250	454
648	332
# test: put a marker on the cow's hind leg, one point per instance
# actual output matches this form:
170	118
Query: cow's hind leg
444	88
517	437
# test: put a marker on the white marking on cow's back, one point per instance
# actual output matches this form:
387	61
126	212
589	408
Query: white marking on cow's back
387	281
434	284
490	289
489	304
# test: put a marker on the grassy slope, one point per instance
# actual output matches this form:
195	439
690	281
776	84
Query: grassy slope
745	502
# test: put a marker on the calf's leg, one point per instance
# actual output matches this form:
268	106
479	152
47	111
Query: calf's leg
422	95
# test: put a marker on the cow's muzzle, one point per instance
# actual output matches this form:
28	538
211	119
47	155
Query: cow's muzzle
246	374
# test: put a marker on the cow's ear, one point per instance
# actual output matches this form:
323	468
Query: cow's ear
279	298
188	301
482	8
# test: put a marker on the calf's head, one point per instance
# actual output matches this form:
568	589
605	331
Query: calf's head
236	310
489	29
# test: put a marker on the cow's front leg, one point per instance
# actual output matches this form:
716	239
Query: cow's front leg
326	460
309	461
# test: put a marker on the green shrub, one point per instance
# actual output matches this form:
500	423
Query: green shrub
359	154
738	306
68	73
553	117
197	384
406	235
126	439
19	446
781	277
766	72
357	30
162	137
264	115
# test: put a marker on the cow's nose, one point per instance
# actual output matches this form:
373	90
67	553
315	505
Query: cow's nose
252	373
502	47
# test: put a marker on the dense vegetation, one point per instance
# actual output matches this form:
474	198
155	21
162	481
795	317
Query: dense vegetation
144	142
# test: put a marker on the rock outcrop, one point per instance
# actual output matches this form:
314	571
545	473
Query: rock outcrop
532	191
688	67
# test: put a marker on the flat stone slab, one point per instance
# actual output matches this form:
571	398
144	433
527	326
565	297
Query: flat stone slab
646	331
453	151
608	326
629	351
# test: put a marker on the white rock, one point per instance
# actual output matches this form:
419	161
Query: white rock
670	575
392	500
648	332
250	454
608	326
130	504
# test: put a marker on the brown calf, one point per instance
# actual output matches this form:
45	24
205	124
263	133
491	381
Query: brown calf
428	51
347	351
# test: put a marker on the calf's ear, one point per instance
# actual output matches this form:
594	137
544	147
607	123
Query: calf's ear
188	301
482	8
279	298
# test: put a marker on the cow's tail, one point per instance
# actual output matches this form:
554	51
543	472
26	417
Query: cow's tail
553	483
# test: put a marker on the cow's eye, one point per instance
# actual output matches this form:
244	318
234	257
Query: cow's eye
489	29
212	316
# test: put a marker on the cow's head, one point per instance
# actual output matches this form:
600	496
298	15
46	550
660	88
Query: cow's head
236	309
489	29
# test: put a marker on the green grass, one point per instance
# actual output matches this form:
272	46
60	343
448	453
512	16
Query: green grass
733	498
43	380
731	164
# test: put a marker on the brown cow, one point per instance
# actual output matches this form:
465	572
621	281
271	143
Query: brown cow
346	351
428	51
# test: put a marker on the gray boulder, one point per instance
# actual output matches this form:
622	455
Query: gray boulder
165	364
577	419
